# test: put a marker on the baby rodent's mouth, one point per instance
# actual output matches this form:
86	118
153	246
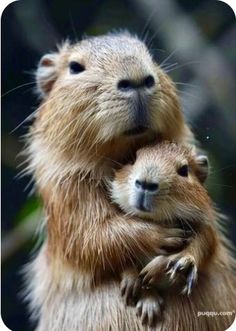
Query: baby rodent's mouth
136	130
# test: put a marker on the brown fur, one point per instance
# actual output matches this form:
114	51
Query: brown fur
208	251
76	141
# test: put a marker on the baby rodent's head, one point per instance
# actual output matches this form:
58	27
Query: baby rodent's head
104	90
165	182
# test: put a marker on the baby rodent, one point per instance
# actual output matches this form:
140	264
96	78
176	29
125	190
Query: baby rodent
102	99
165	185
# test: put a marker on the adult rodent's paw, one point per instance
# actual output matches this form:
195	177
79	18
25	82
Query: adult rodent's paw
149	309
186	266
153	271
177	267
130	286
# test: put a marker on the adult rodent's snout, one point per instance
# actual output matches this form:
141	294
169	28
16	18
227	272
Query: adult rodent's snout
126	85
137	90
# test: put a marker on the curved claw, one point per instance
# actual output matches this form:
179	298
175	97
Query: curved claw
149	309
130	287
187	265
191	280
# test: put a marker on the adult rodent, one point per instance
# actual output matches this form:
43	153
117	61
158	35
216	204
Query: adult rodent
102	99
165	184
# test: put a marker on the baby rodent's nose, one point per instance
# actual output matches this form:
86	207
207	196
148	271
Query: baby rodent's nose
126	85
144	195
146	186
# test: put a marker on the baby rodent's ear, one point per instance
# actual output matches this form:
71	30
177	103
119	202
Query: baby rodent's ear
202	167
46	73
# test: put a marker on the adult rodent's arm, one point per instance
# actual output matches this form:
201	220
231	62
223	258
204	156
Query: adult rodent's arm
192	259
124	241
202	246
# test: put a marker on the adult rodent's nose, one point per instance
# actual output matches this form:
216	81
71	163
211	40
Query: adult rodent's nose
126	85
147	186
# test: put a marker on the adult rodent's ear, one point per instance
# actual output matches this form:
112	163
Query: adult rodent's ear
202	167
46	73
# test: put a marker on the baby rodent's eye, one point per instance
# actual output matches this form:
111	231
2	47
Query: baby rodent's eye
76	67
183	171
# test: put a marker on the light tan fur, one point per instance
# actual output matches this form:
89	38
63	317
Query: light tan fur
76	141
207	258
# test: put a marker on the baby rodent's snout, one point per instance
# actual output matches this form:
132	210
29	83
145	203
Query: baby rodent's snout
165	181
145	193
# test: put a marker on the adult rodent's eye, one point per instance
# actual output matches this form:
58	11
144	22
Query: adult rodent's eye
183	171
76	67
132	162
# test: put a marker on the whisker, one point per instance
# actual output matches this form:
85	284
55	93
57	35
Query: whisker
146	25
169	65
158	50
73	26
182	65
168	57
28	118
188	94
155	34
45	80
113	161
186	84
223	185
16	88
224	168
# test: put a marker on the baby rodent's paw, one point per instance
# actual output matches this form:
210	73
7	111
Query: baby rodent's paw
184	264
130	286
149	308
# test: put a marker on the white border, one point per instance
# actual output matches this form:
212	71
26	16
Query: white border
3	5
232	5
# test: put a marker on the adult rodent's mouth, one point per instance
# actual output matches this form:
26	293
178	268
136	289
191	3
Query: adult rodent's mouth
136	131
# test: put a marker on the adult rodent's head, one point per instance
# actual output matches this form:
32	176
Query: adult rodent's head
164	183
100	97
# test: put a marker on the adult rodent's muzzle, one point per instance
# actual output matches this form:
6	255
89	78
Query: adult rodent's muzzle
128	85
138	92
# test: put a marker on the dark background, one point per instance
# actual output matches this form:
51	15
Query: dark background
199	36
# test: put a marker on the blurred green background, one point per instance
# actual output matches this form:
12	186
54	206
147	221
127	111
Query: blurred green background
197	37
